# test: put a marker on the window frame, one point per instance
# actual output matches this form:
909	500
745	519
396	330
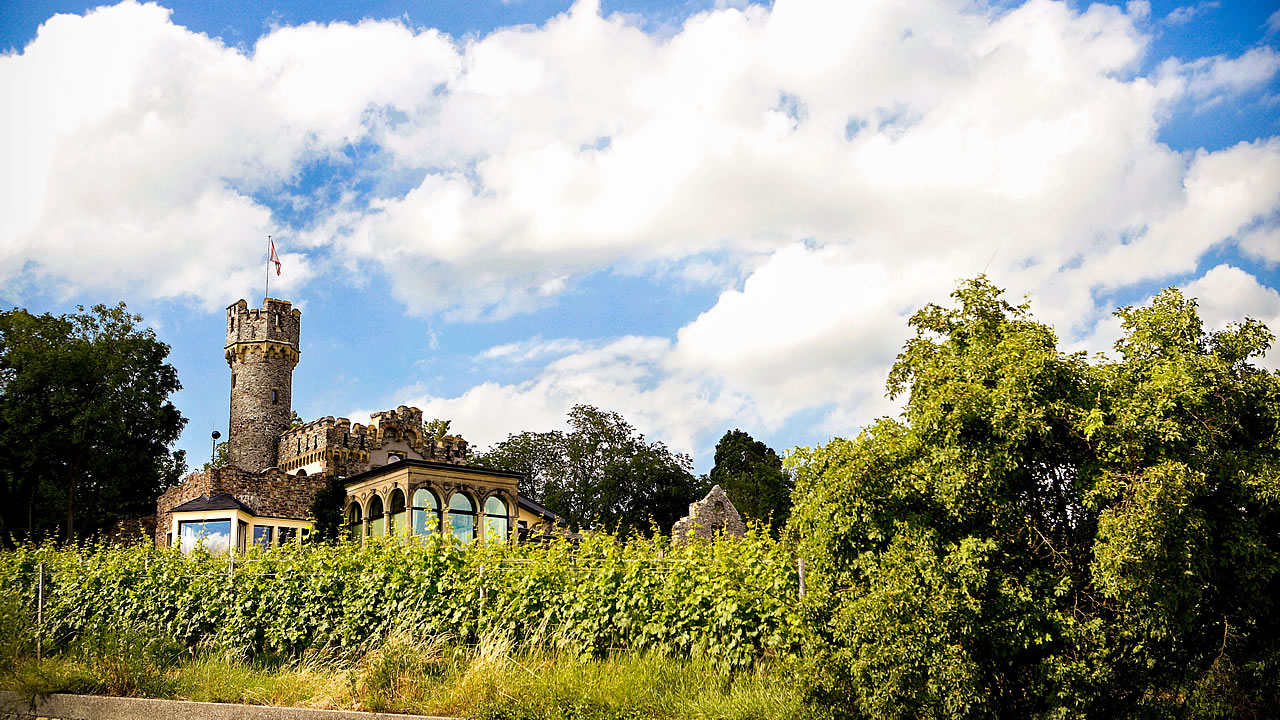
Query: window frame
500	523
466	515
377	522
397	514
429	514
199	537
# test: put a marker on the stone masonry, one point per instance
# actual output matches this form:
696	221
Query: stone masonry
345	449
276	470
269	493
262	350
709	517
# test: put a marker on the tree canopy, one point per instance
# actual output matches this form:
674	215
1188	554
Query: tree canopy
85	421
1044	534
751	473
602	474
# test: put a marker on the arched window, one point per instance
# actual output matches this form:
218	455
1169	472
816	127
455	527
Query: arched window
495	519
397	512
462	516
355	521
426	512
377	523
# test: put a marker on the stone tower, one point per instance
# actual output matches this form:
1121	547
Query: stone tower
262	350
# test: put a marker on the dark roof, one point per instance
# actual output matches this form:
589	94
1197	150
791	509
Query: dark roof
220	501
537	509
410	462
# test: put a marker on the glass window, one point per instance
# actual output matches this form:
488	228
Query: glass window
213	535
355	521
242	535
462	516
397	512
495	519
377	523
262	535
426	512
288	536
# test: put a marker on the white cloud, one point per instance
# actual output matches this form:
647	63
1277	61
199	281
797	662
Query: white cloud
907	145
1187	13
1211	76
1263	242
808	329
1223	193
629	375
141	145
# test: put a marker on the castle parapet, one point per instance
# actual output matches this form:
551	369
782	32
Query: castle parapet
338	446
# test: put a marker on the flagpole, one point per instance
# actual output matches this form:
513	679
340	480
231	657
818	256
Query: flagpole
266	292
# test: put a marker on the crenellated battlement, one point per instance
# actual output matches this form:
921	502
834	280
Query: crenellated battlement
338	446
278	322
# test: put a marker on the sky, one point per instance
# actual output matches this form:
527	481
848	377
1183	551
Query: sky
700	215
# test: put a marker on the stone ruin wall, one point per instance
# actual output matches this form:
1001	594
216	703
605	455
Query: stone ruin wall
269	493
711	516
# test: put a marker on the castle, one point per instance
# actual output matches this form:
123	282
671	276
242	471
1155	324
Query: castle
398	479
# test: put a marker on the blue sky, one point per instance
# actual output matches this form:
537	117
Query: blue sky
702	215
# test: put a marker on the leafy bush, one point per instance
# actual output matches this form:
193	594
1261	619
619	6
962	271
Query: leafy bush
1041	536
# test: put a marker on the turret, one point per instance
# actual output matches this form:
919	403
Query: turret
262	350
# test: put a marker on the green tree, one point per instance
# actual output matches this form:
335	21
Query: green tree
1041	535
326	510
219	459
85	421
436	428
751	473
601	474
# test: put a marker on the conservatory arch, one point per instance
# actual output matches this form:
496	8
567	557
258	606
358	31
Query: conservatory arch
355	521
496	521
426	512
376	520
462	516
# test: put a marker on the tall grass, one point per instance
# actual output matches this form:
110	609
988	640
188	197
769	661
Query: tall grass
429	675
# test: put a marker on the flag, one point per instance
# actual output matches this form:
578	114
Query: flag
274	258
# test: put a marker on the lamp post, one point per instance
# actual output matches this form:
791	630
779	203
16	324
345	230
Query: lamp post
213	454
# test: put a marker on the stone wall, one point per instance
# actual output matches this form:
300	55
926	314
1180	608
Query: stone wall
344	448
711	516
262	350
269	493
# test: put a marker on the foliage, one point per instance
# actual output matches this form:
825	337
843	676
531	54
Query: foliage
326	510
751	473
602	474
436	428
220	457
85	421
731	601
1041	535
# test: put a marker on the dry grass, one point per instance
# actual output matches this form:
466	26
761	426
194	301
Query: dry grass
411	673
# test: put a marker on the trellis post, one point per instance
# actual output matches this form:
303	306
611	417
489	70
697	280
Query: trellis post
40	611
